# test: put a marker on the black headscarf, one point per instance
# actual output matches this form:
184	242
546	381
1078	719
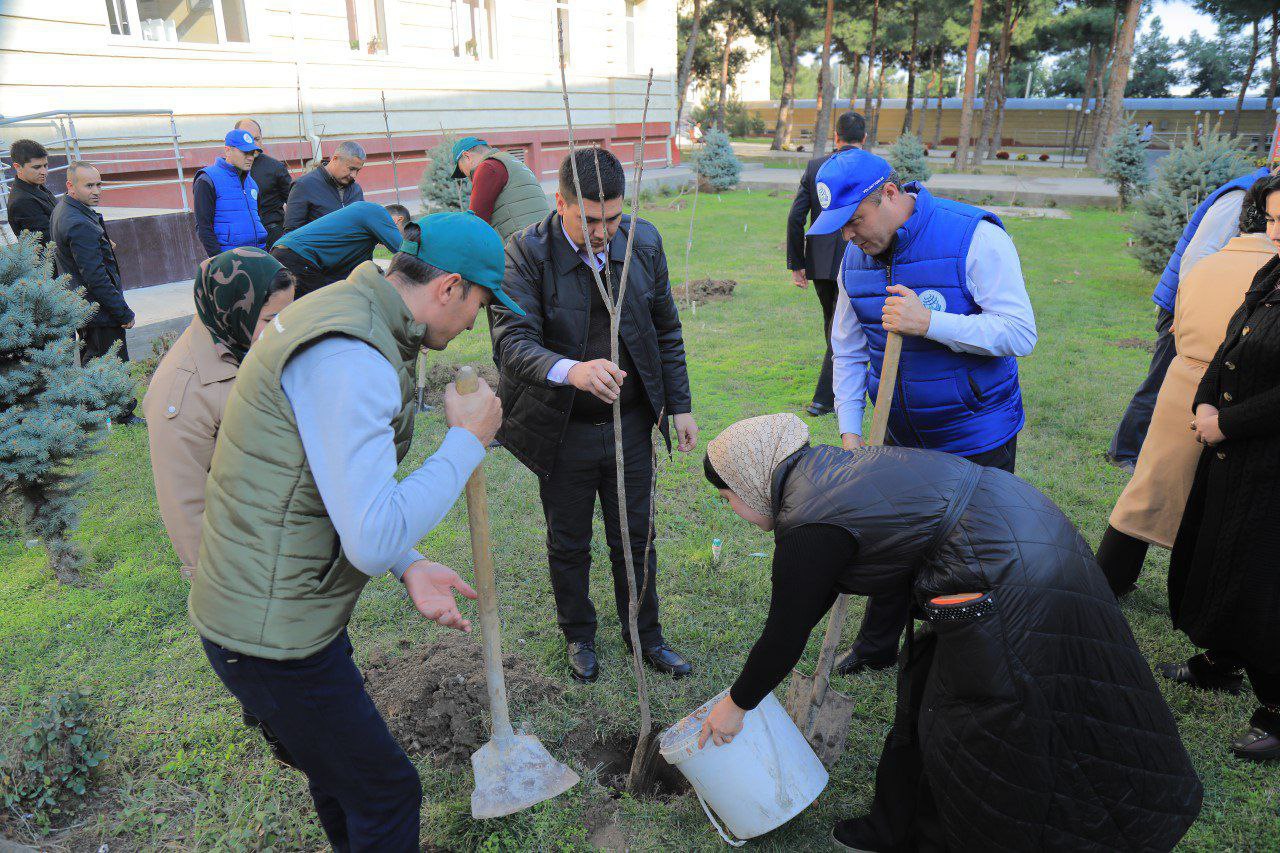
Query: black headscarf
230	290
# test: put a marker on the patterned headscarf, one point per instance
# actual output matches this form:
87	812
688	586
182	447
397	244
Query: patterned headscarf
230	291
747	452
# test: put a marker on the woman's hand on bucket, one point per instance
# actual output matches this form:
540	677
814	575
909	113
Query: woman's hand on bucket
724	721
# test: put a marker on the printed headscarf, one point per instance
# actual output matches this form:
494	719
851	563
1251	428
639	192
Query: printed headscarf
230	290
746	454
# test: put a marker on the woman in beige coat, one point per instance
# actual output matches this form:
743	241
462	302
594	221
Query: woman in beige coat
237	293
1151	506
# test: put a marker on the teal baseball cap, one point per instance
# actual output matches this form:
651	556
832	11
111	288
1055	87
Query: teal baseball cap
843	183
461	147
465	244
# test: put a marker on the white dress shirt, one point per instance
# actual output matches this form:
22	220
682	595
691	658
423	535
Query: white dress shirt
559	372
1006	325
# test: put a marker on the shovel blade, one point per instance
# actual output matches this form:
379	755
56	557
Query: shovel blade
513	774
831	719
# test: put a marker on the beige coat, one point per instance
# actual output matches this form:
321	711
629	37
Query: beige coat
183	407
1150	508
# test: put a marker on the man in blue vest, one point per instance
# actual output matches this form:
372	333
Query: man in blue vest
227	198
946	277
1213	223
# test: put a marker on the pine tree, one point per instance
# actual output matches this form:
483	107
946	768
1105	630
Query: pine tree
909	159
1193	169
717	167
52	411
1124	164
437	186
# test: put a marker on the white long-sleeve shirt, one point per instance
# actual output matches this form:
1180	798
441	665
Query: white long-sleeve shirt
1221	222
1005	326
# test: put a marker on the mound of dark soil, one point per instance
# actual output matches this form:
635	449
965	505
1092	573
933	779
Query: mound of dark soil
1135	343
441	374
704	290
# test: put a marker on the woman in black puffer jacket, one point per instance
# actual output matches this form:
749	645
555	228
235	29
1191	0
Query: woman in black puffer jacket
1027	718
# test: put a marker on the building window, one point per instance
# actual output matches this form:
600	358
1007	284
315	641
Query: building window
473	29
179	21
367	26
631	34
562	23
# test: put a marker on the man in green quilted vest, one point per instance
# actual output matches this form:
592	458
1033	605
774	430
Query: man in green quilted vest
504	192
303	508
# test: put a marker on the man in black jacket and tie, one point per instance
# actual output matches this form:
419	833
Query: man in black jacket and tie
30	203
817	258
558	383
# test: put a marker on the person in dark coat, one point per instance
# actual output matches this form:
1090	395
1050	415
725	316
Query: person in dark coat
274	182
557	382
1224	580
1027	718
817	258
30	203
85	253
326	188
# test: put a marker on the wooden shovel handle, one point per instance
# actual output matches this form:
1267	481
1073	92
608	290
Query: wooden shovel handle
468	382
888	382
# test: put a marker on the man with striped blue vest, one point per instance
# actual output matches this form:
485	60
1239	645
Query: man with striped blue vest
945	276
226	198
1215	221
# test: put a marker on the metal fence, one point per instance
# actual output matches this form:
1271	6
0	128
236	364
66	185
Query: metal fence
57	131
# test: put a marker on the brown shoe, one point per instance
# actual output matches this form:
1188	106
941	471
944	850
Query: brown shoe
1262	741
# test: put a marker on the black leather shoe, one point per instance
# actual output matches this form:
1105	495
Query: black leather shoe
1199	674
817	410
662	658
131	420
853	663
582	662
853	834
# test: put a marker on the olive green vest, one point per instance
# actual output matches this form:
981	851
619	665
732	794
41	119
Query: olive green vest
272	580
522	201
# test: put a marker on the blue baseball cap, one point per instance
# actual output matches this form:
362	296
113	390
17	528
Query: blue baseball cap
465	244
844	182
462	146
241	139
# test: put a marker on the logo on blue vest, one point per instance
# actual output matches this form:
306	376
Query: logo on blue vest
933	300
824	195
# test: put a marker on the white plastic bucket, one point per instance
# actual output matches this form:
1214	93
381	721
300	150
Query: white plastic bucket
758	781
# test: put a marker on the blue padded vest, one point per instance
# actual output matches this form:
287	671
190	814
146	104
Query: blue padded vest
235	219
955	402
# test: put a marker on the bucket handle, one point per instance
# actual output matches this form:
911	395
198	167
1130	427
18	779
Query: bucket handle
727	840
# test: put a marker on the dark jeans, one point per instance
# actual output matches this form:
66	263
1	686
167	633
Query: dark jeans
274	233
366	791
1121	556
96	340
887	613
310	277
823	394
1132	431
584	468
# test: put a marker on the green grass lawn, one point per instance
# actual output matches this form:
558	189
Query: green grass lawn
185	774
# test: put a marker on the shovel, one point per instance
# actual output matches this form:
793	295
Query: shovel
512	771
823	714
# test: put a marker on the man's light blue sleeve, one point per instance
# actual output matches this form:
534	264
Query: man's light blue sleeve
345	396
849	357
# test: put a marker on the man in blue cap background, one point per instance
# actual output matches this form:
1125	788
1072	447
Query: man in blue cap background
226	198
303	508
946	276
504	192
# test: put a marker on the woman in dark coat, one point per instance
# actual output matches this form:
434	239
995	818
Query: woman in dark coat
1224	575
1027	718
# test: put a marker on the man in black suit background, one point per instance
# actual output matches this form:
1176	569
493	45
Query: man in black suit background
817	259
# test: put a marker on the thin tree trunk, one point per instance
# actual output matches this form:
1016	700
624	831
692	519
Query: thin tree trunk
1090	83
1248	78
940	62
873	135
1097	125
871	58
998	139
722	107
823	128
686	63
1110	118
911	68
857	78
995	87
1275	66
970	71
788	56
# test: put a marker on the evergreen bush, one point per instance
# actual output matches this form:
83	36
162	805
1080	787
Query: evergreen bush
1124	165
716	166
437	186
1193	169
52	411
910	159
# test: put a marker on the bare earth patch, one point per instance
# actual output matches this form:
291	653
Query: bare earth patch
1135	343
704	290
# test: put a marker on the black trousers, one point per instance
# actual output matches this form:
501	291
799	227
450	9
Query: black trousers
95	341
274	233
1121	556
823	394
1132	430
310	277
886	614
366	791
584	469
